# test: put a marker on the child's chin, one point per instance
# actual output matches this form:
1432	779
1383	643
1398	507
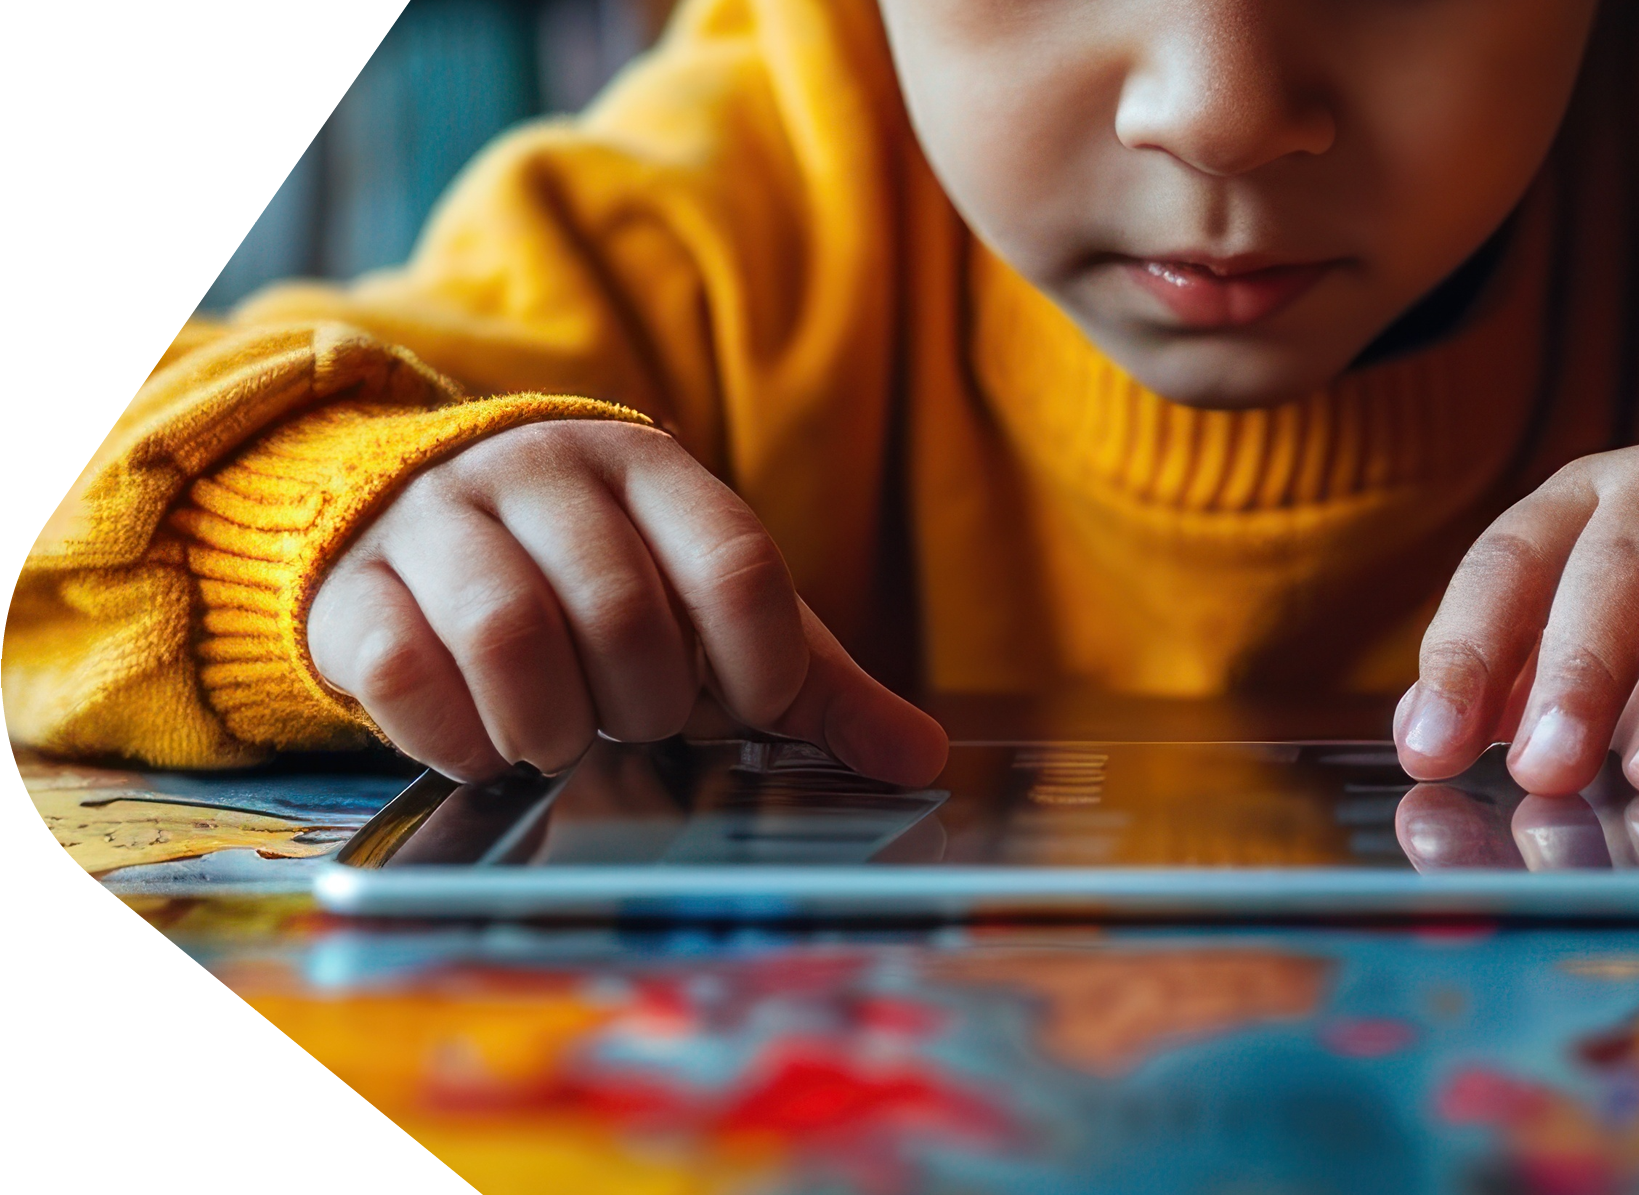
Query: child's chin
1230	372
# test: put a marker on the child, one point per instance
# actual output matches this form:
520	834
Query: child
1175	346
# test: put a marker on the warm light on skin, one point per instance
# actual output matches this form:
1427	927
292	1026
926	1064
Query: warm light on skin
1383	139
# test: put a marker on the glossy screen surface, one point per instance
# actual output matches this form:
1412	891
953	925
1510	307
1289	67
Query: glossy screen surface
1100	805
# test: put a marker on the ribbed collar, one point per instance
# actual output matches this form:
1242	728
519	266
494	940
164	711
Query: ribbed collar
1444	420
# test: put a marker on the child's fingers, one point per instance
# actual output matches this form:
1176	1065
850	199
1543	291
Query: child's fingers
842	709
1483	634
368	638
1518	695
635	652
729	576
496	615
1589	660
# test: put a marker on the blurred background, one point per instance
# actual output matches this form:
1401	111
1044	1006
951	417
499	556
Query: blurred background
448	77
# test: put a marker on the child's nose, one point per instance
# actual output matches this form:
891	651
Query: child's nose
1221	94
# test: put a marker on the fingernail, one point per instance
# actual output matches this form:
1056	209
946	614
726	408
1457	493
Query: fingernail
1435	724
1556	740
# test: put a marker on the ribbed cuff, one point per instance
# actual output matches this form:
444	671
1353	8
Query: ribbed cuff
263	529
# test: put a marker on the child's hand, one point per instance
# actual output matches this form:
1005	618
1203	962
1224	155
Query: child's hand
564	578
1537	639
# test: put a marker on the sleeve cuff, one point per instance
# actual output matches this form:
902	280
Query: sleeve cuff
261	531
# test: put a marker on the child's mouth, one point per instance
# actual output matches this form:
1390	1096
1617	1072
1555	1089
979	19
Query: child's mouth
1226	294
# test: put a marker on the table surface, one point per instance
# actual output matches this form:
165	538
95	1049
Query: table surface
972	1058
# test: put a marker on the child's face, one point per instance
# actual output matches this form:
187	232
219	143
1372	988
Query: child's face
1233	197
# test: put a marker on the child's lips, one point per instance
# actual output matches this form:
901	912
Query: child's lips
1223	294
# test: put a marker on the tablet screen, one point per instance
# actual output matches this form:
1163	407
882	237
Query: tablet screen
1030	805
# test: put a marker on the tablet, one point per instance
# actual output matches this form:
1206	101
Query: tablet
774	829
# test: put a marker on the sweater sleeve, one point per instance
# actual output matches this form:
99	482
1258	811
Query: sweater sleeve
706	248
161	614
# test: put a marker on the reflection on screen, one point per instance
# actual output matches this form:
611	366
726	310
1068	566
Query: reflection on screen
1033	804
1481	820
1100	805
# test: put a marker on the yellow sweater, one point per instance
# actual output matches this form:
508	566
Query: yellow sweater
741	241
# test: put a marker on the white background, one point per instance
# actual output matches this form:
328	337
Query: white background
140	141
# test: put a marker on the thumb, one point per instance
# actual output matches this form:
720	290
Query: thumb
841	709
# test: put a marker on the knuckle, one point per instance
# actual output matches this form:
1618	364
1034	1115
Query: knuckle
492	628
621	431
748	558
1501	555
434	486
536	442
1618	467
558	454
518	457
350	570
597	437
1574	472
746	569
428	499
1614	550
1580	670
389	668
624	616
1577	477
620	447
326	621
1455	663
